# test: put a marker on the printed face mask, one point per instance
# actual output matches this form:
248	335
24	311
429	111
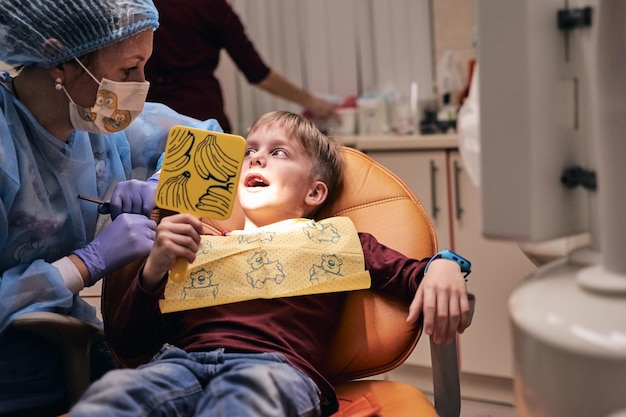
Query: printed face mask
117	105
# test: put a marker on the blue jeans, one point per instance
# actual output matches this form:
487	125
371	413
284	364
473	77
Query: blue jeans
177	383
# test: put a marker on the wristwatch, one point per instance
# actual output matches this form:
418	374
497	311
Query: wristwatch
466	266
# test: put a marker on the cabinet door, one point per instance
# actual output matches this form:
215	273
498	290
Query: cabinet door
424	172
498	267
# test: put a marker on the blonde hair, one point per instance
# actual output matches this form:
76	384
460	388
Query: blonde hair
325	151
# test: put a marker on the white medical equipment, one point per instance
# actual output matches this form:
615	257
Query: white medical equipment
553	142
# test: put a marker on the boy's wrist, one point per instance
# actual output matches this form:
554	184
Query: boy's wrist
464	264
151	280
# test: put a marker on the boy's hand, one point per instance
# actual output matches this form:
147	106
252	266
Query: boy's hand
176	236
442	296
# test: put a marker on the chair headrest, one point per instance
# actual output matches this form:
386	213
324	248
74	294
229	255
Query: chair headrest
378	202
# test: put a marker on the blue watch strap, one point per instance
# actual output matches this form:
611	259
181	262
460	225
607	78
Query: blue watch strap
466	266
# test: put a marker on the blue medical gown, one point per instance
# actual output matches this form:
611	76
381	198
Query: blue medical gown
42	220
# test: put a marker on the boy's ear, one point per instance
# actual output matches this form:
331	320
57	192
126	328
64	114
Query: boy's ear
317	194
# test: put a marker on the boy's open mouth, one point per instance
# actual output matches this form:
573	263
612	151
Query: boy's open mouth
256	181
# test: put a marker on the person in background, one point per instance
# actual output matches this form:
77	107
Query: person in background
187	48
260	357
72	122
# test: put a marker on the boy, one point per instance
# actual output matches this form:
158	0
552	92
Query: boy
258	357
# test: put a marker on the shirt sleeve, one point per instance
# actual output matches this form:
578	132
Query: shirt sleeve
27	282
46	291
392	272
240	48
138	328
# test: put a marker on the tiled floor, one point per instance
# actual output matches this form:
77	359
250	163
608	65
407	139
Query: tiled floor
474	391
470	408
476	408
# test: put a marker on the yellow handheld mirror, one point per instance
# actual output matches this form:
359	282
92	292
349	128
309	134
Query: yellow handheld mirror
200	173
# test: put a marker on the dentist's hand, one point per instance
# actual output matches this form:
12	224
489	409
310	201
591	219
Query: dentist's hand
133	196
128	238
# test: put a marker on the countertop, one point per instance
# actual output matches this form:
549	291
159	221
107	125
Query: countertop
397	142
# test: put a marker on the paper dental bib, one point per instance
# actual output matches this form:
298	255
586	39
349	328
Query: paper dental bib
289	258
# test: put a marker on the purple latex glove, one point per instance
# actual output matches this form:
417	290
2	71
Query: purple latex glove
133	196
128	238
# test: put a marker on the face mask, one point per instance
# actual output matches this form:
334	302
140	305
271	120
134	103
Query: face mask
117	105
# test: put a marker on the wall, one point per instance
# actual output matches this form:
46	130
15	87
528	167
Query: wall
333	47
453	27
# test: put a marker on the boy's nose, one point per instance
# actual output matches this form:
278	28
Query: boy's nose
256	159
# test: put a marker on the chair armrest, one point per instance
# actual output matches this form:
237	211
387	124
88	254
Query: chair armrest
74	338
446	380
446	383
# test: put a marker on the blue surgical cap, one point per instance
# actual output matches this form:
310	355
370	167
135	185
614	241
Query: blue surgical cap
49	32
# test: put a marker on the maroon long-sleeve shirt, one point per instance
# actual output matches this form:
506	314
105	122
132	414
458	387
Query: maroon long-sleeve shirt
298	327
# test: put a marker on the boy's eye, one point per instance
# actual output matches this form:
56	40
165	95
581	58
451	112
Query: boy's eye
279	152
248	153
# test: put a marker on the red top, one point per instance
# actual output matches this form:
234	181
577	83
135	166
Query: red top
298	327
187	47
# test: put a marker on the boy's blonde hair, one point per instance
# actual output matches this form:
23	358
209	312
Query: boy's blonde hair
325	151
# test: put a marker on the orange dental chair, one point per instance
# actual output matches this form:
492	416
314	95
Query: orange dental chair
373	337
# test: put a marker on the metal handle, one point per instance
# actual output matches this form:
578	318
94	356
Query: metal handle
457	191
433	189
